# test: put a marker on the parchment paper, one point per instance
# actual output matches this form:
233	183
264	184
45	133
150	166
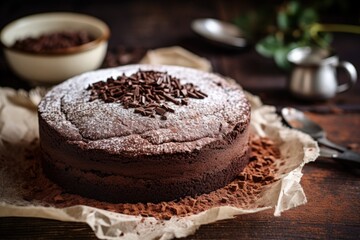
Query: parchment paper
19	128
176	56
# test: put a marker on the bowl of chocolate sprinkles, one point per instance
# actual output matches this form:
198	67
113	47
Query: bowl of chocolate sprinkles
48	48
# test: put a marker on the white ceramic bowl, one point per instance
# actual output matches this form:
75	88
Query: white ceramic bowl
54	67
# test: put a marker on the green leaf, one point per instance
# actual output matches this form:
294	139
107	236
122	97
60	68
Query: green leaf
327	37
280	58
254	23
281	53
282	20
323	39
268	46
307	17
293	8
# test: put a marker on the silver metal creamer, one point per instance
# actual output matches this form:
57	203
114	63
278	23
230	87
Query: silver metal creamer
314	73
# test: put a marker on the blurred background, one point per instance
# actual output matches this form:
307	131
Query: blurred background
272	28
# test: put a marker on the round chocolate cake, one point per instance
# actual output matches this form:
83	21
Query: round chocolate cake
143	133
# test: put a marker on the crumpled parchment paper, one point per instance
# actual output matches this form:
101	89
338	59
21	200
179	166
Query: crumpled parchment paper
19	128
176	56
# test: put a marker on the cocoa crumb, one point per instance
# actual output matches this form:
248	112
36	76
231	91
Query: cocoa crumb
233	187
269	178
241	177
335	109
241	184
353	146
257	178
58	199
224	199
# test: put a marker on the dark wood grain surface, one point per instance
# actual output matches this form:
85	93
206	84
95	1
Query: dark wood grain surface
332	189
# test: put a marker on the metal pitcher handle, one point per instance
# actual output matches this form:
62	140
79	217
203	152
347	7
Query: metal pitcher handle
352	74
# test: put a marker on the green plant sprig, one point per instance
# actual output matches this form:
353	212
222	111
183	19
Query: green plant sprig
293	24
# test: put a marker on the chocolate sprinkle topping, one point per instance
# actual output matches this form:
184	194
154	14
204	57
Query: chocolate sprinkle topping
145	91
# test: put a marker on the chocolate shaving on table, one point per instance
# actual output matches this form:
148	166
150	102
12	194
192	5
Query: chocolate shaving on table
146	91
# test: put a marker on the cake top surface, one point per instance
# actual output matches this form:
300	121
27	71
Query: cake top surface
94	124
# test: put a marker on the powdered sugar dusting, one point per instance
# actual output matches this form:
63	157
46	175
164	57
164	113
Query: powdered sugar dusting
108	125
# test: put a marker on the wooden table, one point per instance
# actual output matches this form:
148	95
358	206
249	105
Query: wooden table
333	190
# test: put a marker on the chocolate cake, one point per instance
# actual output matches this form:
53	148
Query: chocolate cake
124	148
